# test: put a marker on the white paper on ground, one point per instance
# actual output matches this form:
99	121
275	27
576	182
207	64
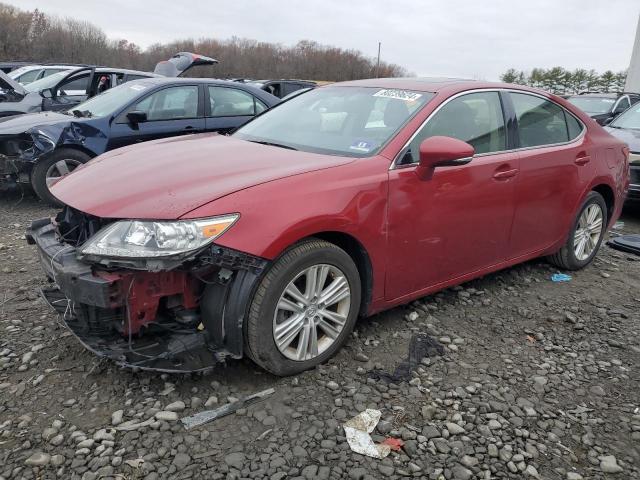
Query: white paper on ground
357	431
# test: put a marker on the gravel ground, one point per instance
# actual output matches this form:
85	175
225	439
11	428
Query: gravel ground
538	380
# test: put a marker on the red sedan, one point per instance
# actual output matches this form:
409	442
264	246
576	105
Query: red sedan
339	203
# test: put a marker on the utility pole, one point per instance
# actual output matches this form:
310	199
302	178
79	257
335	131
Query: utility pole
378	64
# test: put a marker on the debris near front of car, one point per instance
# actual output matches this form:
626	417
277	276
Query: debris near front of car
626	243
560	277
358	429
207	416
421	345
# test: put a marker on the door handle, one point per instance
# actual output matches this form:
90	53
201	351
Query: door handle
505	174
188	127
583	160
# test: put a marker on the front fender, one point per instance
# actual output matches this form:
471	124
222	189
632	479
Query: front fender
350	199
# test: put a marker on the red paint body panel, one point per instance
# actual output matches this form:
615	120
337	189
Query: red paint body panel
165	179
420	235
142	292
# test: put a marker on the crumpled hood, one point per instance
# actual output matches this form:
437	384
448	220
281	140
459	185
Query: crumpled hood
165	179
631	137
8	83
21	123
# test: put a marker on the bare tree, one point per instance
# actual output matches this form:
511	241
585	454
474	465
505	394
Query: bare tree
35	36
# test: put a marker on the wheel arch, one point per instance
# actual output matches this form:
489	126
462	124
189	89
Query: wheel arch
609	198
358	253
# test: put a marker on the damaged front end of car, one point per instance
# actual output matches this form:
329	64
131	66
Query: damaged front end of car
146	309
20	152
15	151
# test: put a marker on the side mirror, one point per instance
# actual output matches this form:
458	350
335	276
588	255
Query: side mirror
48	93
442	152
136	116
609	120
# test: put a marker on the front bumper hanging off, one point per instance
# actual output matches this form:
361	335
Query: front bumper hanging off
185	319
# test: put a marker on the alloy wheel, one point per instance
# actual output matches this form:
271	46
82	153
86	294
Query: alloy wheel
311	312
588	232
60	169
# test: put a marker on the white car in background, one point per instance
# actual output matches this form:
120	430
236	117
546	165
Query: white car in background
31	73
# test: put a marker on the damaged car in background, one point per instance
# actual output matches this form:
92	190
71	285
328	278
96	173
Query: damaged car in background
37	149
67	88
626	127
339	203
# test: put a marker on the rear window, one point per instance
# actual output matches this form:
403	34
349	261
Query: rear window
540	122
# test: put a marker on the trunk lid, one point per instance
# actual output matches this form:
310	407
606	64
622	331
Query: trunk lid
181	62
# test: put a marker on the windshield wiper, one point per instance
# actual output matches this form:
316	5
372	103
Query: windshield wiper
273	144
81	113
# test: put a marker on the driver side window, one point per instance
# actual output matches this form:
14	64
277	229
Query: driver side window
170	104
74	86
475	118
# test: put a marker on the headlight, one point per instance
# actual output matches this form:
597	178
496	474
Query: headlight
146	239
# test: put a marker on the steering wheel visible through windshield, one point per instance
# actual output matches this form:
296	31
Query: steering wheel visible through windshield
350	121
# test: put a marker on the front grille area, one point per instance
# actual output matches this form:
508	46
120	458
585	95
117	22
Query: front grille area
75	227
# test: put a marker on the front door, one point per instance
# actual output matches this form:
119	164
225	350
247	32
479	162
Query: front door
170	111
460	220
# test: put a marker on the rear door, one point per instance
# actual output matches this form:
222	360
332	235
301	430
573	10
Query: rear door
170	111
556	165
227	108
458	221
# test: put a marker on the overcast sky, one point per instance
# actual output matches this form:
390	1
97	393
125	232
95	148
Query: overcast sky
459	38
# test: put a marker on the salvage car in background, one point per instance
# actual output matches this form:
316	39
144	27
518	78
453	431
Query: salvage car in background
31	73
39	148
604	107
626	127
281	88
344	201
65	89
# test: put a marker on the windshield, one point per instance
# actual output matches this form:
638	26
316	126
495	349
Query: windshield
46	82
629	119
595	105
19	71
111	100
351	121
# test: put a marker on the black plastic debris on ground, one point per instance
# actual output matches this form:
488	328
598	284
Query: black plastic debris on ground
626	243
421	345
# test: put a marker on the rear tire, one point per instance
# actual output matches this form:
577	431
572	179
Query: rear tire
586	235
287	334
57	164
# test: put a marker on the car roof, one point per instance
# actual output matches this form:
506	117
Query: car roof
433	84
125	71
158	80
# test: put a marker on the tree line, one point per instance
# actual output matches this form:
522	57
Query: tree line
560	81
38	37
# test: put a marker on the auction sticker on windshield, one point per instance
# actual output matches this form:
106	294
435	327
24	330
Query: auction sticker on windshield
362	146
398	94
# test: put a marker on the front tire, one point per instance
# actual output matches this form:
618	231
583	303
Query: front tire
304	308
53	166
585	236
